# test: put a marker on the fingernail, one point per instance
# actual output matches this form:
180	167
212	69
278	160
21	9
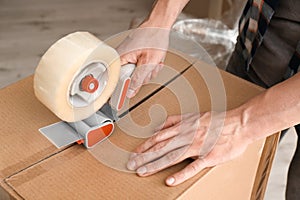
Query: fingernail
158	128
131	165
149	76
141	170
130	93
161	67
132	155
171	181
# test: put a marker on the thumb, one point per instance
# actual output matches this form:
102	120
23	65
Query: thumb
123	60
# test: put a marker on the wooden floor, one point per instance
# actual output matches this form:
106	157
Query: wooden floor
28	28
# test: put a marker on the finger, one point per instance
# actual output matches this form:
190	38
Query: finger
146	63
191	116
147	79
186	173
157	151
158	67
129	58
170	121
135	83
161	65
155	72
123	60
157	138
137	160
168	160
173	120
138	78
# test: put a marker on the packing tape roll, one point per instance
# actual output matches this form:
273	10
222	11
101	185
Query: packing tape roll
61	64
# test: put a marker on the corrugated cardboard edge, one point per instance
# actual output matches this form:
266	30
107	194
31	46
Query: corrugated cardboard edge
7	193
264	168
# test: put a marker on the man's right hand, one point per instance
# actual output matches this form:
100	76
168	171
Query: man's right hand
145	47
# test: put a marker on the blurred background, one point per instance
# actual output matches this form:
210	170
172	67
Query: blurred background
28	28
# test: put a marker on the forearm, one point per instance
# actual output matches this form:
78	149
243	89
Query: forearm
165	12
275	109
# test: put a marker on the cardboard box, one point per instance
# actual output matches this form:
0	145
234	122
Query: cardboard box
32	168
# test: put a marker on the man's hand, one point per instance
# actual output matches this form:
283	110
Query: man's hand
183	136
145	47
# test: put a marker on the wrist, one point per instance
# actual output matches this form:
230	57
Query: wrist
251	126
238	120
164	13
159	19
157	22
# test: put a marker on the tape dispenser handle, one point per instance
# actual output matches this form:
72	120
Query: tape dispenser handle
118	98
